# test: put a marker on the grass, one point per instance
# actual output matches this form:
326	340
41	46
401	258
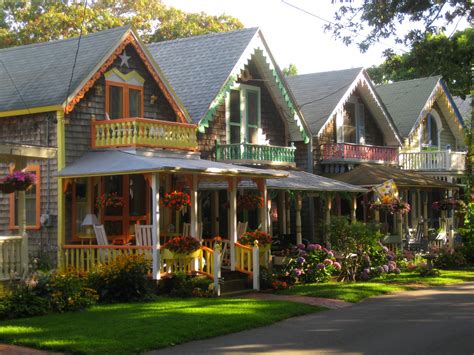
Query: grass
356	292
137	327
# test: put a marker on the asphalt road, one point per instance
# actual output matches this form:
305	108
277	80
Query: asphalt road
431	321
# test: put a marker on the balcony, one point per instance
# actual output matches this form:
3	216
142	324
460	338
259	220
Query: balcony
355	153
249	153
143	132
444	160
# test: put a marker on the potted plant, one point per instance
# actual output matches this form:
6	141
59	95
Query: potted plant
176	200
181	247
263	239
17	181
449	204
392	206
108	200
250	202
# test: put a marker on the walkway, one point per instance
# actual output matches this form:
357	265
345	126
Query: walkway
314	301
429	321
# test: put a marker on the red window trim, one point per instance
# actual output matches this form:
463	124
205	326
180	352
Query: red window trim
11	225
125	104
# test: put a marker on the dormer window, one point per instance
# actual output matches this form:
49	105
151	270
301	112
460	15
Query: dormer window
123	94
243	114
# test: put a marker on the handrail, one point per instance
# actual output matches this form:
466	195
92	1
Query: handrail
244	258
11	257
143	132
252	152
358	152
433	160
119	247
237	244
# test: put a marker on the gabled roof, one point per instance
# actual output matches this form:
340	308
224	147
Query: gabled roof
409	100
321	95
202	69
464	107
41	72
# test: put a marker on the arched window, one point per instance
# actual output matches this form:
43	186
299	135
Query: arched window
431	129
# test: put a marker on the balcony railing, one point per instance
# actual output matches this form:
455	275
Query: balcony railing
348	152
255	154
143	132
444	160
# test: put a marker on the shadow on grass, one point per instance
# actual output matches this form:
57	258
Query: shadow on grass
132	328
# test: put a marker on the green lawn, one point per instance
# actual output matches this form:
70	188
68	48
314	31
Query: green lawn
355	292
137	327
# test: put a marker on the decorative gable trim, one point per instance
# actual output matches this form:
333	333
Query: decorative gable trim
117	76
129	38
255	45
361	80
440	91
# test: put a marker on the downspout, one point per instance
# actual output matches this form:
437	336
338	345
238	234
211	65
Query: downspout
310	169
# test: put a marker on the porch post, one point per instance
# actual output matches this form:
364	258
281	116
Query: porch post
281	213
263	212
20	164
425	214
194	206
353	207
232	219
328	215
338	205
299	236
215	212
364	207
288	208
418	205
155	217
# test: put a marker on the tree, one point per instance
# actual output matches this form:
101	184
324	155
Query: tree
381	19
290	70
43	20
434	55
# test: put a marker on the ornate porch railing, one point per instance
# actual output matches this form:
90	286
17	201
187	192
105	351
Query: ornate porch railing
10	258
341	152
444	160
143	132
255	154
243	258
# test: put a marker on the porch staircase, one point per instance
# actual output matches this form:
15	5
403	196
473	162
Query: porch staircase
234	282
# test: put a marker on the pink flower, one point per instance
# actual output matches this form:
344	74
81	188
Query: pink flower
337	265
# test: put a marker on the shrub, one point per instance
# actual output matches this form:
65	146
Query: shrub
448	258
23	302
309	265
183	285
124	279
467	233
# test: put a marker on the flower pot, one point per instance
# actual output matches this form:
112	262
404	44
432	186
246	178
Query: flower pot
169	255
22	186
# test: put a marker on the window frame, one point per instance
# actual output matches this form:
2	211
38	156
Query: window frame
125	98
244	122
35	168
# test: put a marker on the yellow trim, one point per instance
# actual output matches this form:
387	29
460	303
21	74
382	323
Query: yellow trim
125	77
61	222
61	140
28	111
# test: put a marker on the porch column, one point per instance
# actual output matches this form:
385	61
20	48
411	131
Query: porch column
299	236
338	205
414	219
353	207
215	212
425	214
155	220
61	216
405	216
20	164
328	216
281	213
194	206
364	207
288	209
418	205
232	186
263	212
167	212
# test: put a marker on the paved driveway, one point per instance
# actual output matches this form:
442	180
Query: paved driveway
432	321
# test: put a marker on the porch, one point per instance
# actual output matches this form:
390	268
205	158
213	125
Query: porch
443	160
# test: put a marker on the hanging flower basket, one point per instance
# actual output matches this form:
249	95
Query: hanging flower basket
17	181
176	200
449	204
108	200
182	246
393	206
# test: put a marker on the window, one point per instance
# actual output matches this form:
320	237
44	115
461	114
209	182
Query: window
430	131
32	203
243	114
123	94
353	124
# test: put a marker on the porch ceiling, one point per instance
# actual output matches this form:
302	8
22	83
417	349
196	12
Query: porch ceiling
296	181
118	162
13	151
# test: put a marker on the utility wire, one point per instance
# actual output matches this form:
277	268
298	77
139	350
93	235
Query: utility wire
77	51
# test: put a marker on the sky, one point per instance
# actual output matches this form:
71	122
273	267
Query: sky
292	35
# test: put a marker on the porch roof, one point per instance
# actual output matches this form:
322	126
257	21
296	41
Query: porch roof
369	175
121	162
296	181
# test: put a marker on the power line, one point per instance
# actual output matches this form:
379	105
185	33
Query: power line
77	50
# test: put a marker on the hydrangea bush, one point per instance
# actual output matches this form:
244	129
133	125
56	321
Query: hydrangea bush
310	264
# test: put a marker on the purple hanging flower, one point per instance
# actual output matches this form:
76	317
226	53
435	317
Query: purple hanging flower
367	271
297	272
385	268
301	246
380	270
311	247
320	266
300	260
